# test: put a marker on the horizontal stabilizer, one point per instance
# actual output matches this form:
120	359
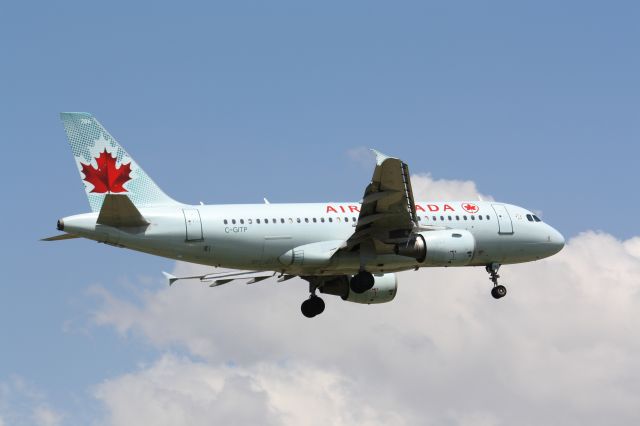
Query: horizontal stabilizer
61	237
118	211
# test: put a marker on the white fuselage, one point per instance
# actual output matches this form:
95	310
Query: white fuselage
256	236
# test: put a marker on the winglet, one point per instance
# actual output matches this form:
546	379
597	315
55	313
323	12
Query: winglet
380	157
170	278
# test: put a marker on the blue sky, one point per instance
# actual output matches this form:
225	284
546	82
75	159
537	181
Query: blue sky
537	103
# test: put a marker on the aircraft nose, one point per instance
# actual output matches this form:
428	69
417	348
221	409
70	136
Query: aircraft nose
556	239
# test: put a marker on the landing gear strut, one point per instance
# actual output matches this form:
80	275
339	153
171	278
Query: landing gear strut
361	282
498	291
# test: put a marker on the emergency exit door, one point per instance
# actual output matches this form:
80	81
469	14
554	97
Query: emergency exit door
193	224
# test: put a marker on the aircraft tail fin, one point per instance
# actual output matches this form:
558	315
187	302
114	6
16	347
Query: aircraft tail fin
105	167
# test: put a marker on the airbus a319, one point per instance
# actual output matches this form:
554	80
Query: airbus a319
352	250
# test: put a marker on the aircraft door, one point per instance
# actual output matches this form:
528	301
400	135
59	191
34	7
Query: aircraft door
505	226
193	224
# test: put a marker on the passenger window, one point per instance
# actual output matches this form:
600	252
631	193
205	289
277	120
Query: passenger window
479	217
473	217
233	221
488	217
258	221
225	222
346	219
275	220
290	220
281	220
434	218
450	218
441	217
249	221
322	219
330	219
314	220
306	220
353	219
464	217
338	219
298	220
457	217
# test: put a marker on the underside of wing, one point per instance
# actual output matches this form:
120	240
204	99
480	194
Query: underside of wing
220	278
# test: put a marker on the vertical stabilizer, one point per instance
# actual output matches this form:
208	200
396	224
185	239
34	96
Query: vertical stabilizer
105	167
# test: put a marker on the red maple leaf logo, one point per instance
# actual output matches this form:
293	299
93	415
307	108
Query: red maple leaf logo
107	178
470	208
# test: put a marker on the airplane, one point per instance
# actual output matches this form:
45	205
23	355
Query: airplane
348	249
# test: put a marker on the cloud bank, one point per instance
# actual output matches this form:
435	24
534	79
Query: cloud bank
561	348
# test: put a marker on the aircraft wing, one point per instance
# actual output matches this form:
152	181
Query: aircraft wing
388	212
216	279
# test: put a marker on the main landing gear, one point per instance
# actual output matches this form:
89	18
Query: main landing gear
313	305
361	282
498	291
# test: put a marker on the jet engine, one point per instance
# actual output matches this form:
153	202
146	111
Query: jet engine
384	289
447	247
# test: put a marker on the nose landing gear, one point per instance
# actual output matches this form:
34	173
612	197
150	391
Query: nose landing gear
498	291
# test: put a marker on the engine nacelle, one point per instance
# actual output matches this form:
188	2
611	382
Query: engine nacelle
314	254
384	289
447	247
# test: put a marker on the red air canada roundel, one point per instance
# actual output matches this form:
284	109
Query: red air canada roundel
107	177
470	207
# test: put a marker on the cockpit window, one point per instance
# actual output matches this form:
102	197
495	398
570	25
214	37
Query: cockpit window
530	218
536	218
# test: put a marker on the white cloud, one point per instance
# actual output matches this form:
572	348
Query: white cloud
362	155
181	391
633	246
46	416
561	348
427	188
22	403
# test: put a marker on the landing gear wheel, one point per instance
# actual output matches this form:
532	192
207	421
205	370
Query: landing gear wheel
312	306
499	292
361	282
